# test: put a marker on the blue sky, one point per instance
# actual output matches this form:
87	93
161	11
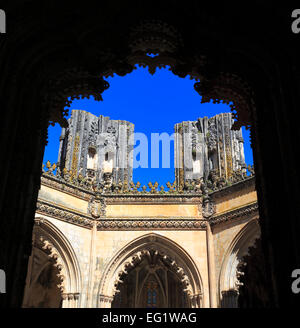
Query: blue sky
153	103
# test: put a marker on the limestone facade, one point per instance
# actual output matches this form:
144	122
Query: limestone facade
152	248
101	240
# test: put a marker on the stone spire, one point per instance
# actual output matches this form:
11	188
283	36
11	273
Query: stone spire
207	146
98	147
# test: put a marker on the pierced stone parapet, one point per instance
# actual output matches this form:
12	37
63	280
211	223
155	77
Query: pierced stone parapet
88	184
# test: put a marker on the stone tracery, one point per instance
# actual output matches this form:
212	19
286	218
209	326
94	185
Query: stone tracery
163	40
229	88
72	83
48	240
153	258
157	251
232	266
43	244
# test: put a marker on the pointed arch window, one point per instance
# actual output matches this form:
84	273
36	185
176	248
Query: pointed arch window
91	159
152	295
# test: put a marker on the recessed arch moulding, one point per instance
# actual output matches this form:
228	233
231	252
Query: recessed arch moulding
232	264
170	253
50	241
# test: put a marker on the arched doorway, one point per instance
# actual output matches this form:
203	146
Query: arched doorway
151	272
43	291
53	276
233	259
152	282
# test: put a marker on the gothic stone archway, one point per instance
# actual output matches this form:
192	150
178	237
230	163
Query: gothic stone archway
233	259
151	280
44	61
53	277
45	289
152	265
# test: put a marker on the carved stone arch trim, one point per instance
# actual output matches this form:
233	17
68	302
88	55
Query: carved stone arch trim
131	253
39	248
230	88
152	254
228	283
52	241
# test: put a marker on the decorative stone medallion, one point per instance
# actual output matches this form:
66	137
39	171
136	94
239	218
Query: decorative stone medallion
97	207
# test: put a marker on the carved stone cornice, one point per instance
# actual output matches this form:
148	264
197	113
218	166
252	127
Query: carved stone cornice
132	223
234	214
153	199
151	223
138	223
61	185
233	188
63	214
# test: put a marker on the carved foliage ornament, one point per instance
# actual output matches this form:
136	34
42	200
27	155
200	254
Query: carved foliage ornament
67	181
62	214
47	247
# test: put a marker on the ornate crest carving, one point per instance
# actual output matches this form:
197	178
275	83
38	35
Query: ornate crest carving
209	208
97	207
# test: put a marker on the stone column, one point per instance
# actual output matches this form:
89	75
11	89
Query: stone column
76	300
65	302
105	301
211	267
229	298
70	300
196	301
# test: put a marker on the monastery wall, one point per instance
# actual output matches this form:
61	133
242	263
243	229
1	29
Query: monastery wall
97	241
